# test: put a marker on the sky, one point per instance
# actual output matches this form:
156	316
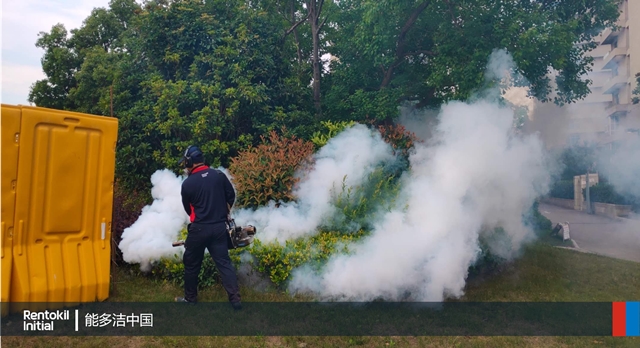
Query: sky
22	20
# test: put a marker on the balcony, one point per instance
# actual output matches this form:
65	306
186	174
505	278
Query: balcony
618	110
598	65
606	37
618	135
614	57
615	83
598	79
597	97
599	52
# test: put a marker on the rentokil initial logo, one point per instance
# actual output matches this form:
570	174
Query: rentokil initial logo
43	321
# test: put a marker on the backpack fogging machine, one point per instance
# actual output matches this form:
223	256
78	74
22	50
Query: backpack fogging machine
239	237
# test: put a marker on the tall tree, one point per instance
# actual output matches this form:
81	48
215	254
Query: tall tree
59	64
429	51
312	14
213	73
80	67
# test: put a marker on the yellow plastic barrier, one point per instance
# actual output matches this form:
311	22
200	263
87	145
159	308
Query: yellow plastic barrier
10	136
62	195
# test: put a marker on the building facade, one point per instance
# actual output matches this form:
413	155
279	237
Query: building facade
609	108
607	115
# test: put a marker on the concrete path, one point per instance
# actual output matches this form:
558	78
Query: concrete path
619	238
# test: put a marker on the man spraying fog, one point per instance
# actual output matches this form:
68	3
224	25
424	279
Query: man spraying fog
207	197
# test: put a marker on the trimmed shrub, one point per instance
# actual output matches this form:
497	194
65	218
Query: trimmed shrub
266	172
577	160
562	189
277	261
171	270
398	137
489	262
537	221
359	204
603	192
332	129
272	260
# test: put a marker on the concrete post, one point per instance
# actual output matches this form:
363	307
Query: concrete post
588	198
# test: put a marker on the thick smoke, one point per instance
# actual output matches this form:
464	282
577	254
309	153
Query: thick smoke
149	238
354	153
473	174
351	156
622	167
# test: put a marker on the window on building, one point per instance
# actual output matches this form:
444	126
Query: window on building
616	97
614	43
614	71
614	123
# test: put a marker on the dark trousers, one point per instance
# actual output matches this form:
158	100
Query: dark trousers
215	239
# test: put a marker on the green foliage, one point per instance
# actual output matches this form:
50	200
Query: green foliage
430	52
358	205
278	261
211	73
536	220
604	192
489	259
577	160
267	172
222	73
398	137
562	189
171	270
331	129
58	63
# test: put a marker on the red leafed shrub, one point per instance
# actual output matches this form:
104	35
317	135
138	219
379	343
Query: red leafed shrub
127	207
399	138
266	172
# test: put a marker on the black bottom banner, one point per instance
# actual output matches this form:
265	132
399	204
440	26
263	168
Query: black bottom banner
308	319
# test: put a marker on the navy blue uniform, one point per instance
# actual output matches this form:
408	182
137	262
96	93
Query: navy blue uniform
207	196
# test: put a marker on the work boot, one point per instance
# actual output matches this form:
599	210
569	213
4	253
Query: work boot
184	300
236	305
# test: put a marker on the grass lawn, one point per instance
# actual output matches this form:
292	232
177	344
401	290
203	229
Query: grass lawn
543	273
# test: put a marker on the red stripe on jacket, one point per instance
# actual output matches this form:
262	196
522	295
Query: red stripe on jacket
192	216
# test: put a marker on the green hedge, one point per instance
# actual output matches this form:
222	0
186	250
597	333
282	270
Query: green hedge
489	262
603	193
606	193
562	189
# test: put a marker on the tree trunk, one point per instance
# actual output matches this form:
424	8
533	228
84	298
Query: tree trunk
295	33
316	70
400	43
315	8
